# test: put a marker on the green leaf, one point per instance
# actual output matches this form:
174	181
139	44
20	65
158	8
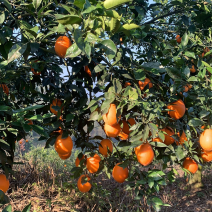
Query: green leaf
36	3
192	79
204	113
180	152
39	130
158	144
13	131
154	67
110	48
117	86
4	108
2	17
8	209
151	182
37	117
69	117
184	40
7	4
68	19
108	4
91	38
139	74
78	36
195	122
79	3
94	116
190	54
16	51
129	27
174	73
133	95
4	142
30	108
73	51
27	208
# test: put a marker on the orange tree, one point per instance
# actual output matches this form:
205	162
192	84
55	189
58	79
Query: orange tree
142	72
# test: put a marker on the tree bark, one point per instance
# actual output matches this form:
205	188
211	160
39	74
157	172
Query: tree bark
195	181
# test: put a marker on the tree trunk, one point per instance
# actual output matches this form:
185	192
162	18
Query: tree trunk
195	181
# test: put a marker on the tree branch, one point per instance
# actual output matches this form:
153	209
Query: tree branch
162	16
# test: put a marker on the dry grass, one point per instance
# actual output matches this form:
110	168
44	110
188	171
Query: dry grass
47	192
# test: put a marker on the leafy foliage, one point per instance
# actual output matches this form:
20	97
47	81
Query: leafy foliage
28	31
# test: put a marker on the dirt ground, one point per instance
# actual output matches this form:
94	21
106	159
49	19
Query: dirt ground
112	197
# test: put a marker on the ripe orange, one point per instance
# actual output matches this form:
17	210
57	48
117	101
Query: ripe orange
189	86
205	140
20	142
168	139
119	174
87	70
63	146
185	88
55	102
35	72
110	117
131	121
178	38
61	46
4	183
112	131
65	156
65	165
192	69
182	139
207	156
5	89
77	162
83	187
92	163
178	109
146	82
145	154
123	136
125	127
27	140
127	84
190	165
105	144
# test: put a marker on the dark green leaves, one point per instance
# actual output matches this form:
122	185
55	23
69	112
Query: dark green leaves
174	73
139	74
27	208
79	39
195	122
